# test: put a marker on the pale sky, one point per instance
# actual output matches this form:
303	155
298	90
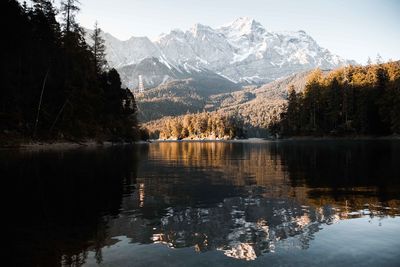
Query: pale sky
353	29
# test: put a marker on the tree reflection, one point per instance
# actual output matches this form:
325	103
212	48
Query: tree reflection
244	200
58	201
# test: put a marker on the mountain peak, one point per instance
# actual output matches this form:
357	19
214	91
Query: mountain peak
244	25
243	20
197	28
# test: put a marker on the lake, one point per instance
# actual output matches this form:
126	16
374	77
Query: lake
284	203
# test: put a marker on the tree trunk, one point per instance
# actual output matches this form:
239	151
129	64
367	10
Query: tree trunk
40	102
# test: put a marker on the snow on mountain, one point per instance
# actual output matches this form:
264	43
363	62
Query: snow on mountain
201	46
246	36
131	51
242	51
157	71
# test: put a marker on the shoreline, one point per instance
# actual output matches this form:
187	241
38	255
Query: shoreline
63	144
344	138
293	138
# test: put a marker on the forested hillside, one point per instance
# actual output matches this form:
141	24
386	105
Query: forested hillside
351	100
257	107
54	85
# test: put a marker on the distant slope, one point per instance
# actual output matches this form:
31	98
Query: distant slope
249	95
181	96
257	106
171	99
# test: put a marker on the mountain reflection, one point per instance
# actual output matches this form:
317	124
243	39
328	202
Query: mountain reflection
242	199
241	227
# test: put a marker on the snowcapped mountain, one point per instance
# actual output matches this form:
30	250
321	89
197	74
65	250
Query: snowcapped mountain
242	51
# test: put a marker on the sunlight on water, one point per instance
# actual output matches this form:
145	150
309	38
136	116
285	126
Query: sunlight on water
223	204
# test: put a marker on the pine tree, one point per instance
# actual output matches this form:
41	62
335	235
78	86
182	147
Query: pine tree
334	104
69	8
378	59
293	115
312	99
98	49
348	105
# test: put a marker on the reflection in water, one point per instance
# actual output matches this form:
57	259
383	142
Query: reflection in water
60	202
241	200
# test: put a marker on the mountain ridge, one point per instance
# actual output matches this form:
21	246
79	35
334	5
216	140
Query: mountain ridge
242	52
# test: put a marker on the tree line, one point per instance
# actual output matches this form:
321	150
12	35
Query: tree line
55	85
360	100
202	125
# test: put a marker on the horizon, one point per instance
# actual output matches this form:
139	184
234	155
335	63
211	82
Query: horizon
354	30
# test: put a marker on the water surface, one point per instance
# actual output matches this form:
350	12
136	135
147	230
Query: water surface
293	203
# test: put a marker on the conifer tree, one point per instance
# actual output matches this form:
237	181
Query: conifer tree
98	49
69	8
334	104
293	111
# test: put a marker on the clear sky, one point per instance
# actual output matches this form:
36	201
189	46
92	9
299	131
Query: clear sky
353	29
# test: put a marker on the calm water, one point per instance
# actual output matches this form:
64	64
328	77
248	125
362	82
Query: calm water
308	203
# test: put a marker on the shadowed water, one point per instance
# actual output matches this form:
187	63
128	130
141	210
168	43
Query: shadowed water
206	204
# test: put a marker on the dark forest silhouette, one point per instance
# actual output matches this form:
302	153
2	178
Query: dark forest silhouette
55	85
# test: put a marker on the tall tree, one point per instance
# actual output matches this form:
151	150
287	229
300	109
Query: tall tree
293	111
98	49
312	99
334	104
379	59
69	8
